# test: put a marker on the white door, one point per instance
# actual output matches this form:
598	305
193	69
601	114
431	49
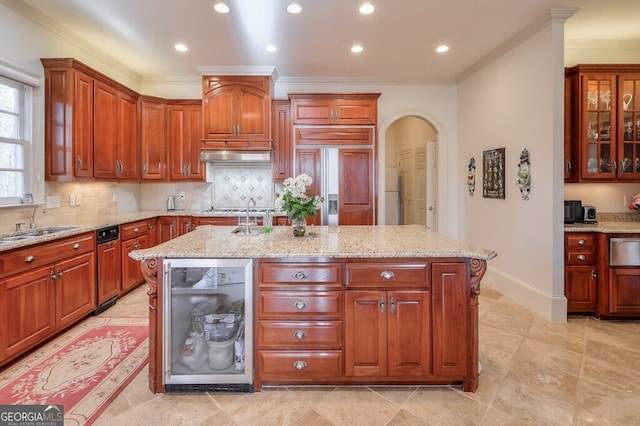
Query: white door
406	216
431	185
420	186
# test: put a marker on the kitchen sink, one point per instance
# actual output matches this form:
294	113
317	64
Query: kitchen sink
36	233
242	230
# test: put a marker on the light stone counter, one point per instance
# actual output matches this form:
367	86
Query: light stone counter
330	241
609	227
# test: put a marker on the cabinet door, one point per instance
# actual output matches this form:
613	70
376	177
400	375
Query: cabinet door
335	110
185	224
184	143
366	333
356	186
308	160
253	113
167	228
312	111
624	291
27	312
108	270
153	140
83	126
75	288
597	128
629	126
356	111
450	300
152	232
408	333
131	272
128	157
219	113
105	131
282	141
580	288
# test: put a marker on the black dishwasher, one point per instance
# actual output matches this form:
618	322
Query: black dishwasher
108	267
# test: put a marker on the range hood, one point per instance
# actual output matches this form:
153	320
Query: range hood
225	156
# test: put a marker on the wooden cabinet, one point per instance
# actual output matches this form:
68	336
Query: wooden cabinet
282	141
299	335
68	121
170	227
216	220
604	122
346	109
153	141
580	276
134	236
623	292
184	130
115	133
43	289
109	261
236	107
152	232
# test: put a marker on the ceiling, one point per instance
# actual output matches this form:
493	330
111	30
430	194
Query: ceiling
399	38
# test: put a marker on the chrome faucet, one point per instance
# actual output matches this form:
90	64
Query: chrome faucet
32	218
251	201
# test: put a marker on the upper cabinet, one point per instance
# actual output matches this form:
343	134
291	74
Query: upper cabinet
603	112
236	108
185	124
282	140
327	108
153	141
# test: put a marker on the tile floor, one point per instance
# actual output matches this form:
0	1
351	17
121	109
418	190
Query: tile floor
584	372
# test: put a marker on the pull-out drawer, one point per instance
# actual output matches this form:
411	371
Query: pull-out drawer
580	242
300	273
386	275
580	258
133	229
300	304
300	334
302	365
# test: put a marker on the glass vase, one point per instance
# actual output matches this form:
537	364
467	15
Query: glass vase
299	226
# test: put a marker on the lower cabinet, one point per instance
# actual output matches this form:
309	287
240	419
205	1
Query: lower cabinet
623	297
44	288
170	227
364	321
134	236
580	276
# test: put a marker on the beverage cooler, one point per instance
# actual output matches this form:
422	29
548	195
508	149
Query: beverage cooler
208	325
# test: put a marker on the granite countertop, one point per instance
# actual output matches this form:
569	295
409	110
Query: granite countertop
329	241
608	227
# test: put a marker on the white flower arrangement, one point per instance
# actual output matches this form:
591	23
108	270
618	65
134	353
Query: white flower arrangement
296	200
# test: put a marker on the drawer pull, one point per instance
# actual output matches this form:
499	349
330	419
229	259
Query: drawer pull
300	275
136	230
594	275
300	365
76	246
387	275
582	257
300	334
30	258
382	305
392	306
299	304
582	242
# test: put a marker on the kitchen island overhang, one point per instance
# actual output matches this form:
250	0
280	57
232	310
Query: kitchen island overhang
440	276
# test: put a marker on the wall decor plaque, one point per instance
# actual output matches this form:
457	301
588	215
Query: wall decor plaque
493	173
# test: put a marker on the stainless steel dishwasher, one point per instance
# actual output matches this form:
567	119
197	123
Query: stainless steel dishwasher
624	251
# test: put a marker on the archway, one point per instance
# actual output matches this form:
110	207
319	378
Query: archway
408	192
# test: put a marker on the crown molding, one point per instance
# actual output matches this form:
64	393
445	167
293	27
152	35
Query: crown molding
361	81
554	16
63	32
239	70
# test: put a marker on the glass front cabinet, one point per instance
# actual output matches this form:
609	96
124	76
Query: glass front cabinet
603	107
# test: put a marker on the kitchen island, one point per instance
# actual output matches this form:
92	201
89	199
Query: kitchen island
380	304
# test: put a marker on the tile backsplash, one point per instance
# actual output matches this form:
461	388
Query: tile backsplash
233	186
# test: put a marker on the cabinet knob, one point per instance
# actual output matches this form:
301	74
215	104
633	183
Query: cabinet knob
299	304
594	275
582	242
30	258
76	246
300	334
136	230
582	257
300	275
387	275
300	365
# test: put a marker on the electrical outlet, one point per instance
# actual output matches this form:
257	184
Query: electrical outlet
72	200
182	195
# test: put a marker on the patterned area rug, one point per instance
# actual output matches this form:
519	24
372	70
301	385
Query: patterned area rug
84	369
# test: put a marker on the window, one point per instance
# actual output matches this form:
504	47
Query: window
15	140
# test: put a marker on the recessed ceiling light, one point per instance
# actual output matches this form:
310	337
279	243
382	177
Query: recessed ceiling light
294	8
357	48
221	8
180	47
367	8
442	48
270	48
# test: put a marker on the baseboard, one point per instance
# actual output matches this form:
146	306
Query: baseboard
550	307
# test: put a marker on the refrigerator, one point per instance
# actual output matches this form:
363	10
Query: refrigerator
392	197
345	177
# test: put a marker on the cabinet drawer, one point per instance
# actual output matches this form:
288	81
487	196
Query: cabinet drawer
274	304
299	334
299	273
37	255
580	257
386	275
581	242
133	229
300	364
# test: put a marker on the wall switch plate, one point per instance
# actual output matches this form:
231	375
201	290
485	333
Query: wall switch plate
78	199
53	201
72	200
